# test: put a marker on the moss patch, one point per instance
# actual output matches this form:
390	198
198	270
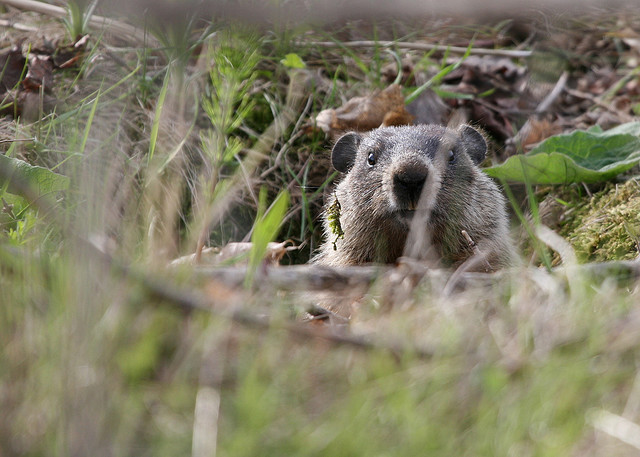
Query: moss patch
608	227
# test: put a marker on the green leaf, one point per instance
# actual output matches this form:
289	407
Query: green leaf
293	61
581	156
266	228
43	180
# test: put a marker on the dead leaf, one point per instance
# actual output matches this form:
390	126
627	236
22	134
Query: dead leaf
11	67
69	56
537	130
428	108
494	122
39	75
366	113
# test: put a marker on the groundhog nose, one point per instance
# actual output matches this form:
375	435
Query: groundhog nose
408	184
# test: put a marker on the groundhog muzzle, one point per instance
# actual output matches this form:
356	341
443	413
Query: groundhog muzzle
414	191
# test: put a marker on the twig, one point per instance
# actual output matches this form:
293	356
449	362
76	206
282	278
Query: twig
13	140
17	26
420	47
554	94
309	278
299	277
471	263
597	101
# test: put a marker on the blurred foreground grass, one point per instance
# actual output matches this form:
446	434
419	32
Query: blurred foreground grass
162	149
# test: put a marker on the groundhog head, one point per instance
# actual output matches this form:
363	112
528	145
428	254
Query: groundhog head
389	169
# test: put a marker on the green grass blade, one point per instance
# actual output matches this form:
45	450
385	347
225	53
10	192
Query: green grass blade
87	128
156	120
441	74
266	229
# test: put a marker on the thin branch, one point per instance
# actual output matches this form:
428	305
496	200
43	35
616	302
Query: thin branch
299	277
17	26
420	47
310	277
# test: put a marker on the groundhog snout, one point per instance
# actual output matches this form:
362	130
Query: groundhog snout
408	182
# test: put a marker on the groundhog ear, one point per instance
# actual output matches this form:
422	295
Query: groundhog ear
474	142
344	151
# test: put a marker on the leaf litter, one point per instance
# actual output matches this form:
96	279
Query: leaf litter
27	79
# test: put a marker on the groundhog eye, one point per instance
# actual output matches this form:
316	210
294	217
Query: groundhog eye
452	156
371	159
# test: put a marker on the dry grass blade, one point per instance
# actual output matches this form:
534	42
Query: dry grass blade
617	427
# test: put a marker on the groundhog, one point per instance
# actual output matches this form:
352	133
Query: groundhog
415	191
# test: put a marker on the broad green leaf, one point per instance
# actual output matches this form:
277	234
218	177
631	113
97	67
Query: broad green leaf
293	61
581	156
42	179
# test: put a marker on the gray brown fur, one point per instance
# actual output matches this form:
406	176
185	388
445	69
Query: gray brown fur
394	175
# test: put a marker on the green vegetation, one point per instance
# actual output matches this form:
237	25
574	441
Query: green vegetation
206	139
78	15
608	228
581	156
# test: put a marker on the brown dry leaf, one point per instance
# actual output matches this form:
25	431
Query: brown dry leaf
12	65
384	108
32	97
428	108
69	56
482	73
275	252
494	122
500	90
537	130
39	75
